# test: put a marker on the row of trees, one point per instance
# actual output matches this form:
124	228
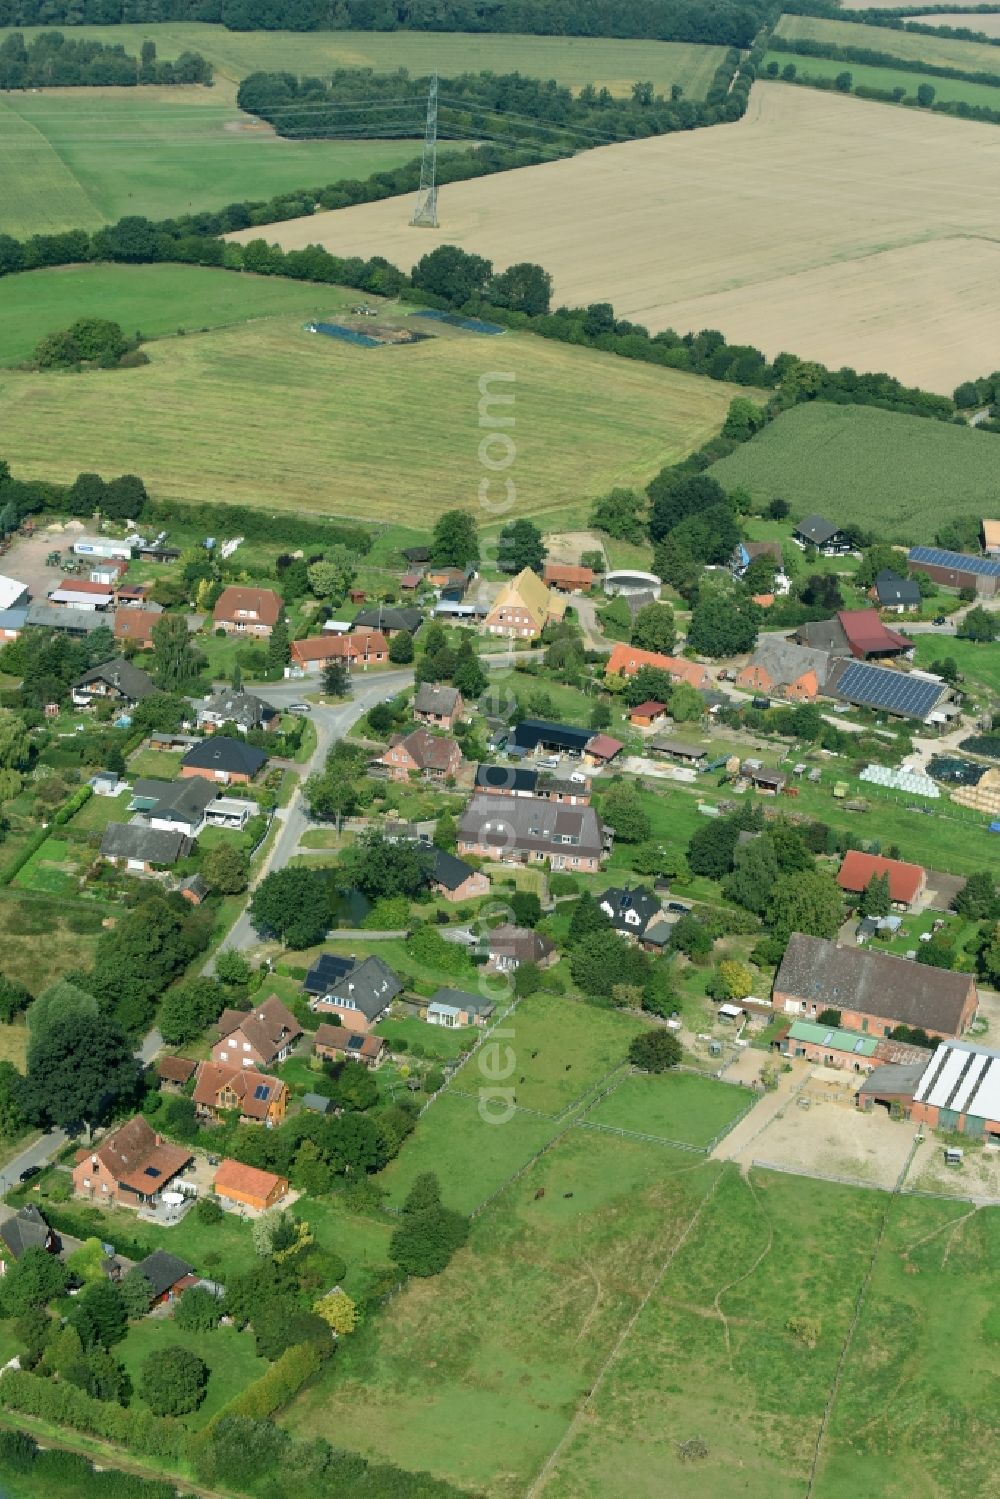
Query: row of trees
51	60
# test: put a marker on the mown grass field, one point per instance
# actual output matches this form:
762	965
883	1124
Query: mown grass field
973	57
78	158
682	1107
155	300
269	414
230	1355
570	61
978	662
902	476
945	89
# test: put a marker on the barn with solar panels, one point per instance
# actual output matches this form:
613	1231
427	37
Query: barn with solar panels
905	694
956	569
960	1090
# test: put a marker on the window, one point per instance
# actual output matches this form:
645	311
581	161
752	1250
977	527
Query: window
86	1181
223	1056
104	1186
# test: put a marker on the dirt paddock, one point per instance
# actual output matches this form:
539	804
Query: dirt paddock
812	200
834	1140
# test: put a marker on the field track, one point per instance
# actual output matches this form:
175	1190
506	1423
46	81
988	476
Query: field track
755	228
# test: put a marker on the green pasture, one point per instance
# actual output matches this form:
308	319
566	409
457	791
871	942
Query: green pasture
553	1052
674	1106
268	414
901	476
978	661
154	300
570	61
66	930
474	1375
155	765
912	46
438	1041
79	158
945	89
53	869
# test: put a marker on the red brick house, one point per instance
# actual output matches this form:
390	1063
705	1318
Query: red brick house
260	1037
456	880
626	660
130	1168
248	1186
136	626
220	1088
430	755
872	992
647	715
569	578
907	882
335	1043
247	611
362	648
437	705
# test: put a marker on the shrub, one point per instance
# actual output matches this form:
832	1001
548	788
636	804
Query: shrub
172	1381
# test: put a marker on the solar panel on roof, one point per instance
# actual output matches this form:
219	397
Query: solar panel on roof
261	1091
987	567
880	687
355	1043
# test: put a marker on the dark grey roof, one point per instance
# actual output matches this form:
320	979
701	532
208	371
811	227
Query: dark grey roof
181	801
432	697
448	871
664	745
520	943
531	823
636	601
80	621
817	529
619	902
417	554
390	618
461	999
535	731
221	753
897	1078
317	1103
14	619
25	1229
130	680
196	884
244	708
371	985
510	777
133	840
163	1270
327	971
786	660
854	978
824	635
892	589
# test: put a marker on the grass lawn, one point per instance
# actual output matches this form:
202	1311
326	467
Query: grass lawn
362	1241
900	476
96	813
437	1041
54	869
78	158
473	1159
155	299
230	1356
397	954
14	1043
570	61
317	400
676	1106
560	1050
978	663
474	1374
155	765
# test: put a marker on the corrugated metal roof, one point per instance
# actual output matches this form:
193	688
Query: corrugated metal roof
963	1077
836	1040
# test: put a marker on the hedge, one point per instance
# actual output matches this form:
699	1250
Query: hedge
69	809
18	862
274	1389
66	1405
84	1223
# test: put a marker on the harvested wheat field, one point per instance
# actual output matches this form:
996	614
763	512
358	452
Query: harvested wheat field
812	202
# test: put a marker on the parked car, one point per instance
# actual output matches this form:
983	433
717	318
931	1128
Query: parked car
299	708
939	619
29	1172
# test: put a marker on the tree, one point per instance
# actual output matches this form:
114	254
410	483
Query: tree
979	624
446	832
34	1280
691	937
124	498
189	1008
624	811
743	419
649	683
603	959
875	899
587	918
15	741
278	649
380	869
809	901
735	978
336	679
331	577
454	542
79	1071
136	1294
723	622
429	1233
176	663
527	908
925	95
655	1051
226	868
755	869
600	716
843	82
60	1000
978	898
162	711
14	998
100	1375
686	703
172	1381
453	274
88	341
197	1310
99	1315
523	287
711	848
469	677
654	628
656	860
12	1112
294	904
401	648
830	1017
520	545
338	1310
778	509
876	559
621	514
675	497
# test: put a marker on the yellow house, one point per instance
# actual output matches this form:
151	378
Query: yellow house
523	607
